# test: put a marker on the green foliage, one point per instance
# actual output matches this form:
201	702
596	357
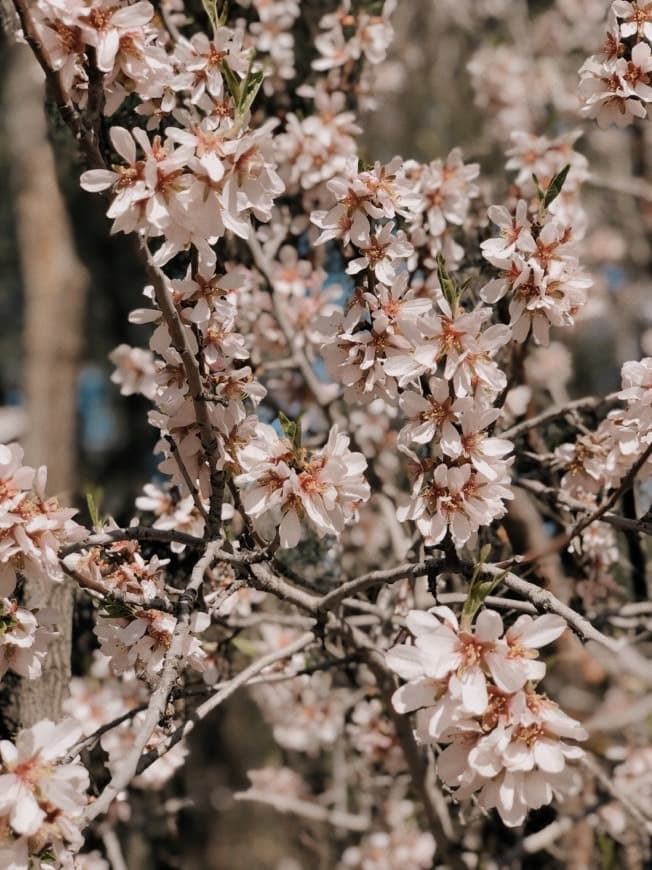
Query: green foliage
117	609
449	289
548	196
479	589
555	186
607	849
244	90
217	19
94	496
291	429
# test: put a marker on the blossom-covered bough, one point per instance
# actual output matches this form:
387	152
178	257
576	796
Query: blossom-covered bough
337	367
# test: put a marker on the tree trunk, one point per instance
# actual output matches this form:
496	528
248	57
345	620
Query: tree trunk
54	285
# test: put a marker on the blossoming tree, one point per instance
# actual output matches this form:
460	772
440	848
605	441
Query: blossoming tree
337	365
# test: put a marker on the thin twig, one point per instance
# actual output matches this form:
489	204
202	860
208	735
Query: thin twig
588	403
306	809
225	692
180	343
545	601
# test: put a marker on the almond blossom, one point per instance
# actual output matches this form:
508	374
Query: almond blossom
398	842
24	638
140	643
545	281
456	499
324	485
41	800
33	528
472	690
617	85
379	252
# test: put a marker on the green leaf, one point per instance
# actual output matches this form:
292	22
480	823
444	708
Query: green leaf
94	498
210	8
117	609
555	186
540	191
243	91
607	850
450	291
245	646
479	589
250	87
291	429
232	82
485	552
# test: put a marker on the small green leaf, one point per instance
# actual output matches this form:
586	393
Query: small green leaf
245	646
479	589
450	291
250	87
485	552
607	850
540	192
291	429
232	82
210	8
244	90
93	501
555	186
117	609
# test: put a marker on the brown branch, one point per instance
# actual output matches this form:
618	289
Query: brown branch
377	578
67	110
134	533
193	376
225	692
546	602
588	403
306	809
172	666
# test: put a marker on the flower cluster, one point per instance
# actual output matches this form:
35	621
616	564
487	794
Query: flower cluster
190	186
543	158
282	480
172	514
597	461
306	713
616	83
539	269
33	528
396	842
346	37
318	147
139	641
41	799
206	307
445	190
24	637
100	698
120	570
474	690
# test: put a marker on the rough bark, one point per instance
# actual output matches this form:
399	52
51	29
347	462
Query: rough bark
54	285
